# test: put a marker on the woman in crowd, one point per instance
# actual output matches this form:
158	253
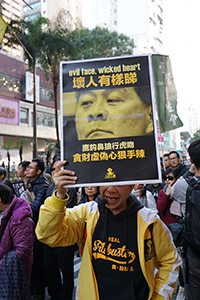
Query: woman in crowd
169	208
88	193
16	245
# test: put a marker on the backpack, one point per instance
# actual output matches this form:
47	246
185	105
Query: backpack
191	232
177	234
41	186
29	196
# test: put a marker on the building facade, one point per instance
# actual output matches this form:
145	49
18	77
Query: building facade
11	9
16	99
16	106
50	8
142	20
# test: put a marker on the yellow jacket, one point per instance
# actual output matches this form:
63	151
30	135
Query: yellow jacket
58	226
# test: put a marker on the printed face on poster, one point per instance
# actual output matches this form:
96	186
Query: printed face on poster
108	121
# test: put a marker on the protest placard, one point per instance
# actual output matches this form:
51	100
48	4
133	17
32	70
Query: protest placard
108	121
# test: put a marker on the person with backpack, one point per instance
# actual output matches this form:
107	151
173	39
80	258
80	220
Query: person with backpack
37	186
187	190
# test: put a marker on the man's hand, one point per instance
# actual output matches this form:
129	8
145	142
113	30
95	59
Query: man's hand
62	178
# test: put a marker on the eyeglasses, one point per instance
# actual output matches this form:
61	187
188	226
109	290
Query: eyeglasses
170	177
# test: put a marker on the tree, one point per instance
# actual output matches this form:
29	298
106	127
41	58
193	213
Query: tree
20	143
55	49
99	42
31	35
8	147
50	147
196	136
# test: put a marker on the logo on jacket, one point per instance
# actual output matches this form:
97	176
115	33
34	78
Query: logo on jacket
148	249
110	174
117	255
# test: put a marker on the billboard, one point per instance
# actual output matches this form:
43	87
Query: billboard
108	126
29	87
9	112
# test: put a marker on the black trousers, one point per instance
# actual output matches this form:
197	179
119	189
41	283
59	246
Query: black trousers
38	282
192	285
59	271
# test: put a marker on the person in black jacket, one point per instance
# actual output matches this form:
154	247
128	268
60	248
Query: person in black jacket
155	189
60	258
176	164
37	185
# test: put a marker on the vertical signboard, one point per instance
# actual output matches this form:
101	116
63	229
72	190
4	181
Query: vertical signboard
30	87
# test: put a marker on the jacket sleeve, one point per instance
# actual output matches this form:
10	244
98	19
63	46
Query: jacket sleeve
178	192
151	202
58	226
163	201
166	261
23	238
38	201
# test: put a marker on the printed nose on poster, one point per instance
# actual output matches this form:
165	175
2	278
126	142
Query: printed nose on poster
99	111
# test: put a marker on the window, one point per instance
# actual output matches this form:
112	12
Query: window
33	17
11	83
16	2
161	10
43	119
34	6
160	20
46	94
151	21
24	116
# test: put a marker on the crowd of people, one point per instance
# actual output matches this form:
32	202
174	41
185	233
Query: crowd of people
121	232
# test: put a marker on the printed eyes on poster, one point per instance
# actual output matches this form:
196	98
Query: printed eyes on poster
108	121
